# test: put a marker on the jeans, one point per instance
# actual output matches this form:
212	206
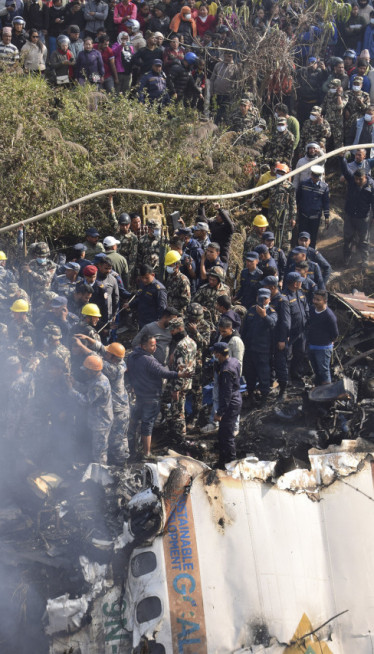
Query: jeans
320	362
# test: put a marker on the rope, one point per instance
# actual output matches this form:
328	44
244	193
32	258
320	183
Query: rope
177	196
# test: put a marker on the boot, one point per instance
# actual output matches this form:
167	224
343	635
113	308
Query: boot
282	395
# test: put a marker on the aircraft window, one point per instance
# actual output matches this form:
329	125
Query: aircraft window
143	563
148	609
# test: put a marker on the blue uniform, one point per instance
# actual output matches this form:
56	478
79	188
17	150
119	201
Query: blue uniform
316	257
153	85
257	336
312	198
280	260
150	302
97	399
229	405
314	272
249	285
299	312
281	305
309	286
265	264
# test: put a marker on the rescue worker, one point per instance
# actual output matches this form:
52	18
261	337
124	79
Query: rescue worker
307	285
65	284
182	357
128	246
257	335
315	256
149	246
114	369
39	273
90	316
20	327
299	312
92	244
145	375
313	199
298	255
265	259
199	330
254	236
276	254
229	402
208	293
158	329
82	295
249	281
6	276
52	345
280	304
282	209
151	298
96	397
177	285
119	263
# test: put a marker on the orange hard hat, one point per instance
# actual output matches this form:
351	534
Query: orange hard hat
93	362
283	167
117	349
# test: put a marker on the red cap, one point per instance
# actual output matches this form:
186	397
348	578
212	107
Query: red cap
88	271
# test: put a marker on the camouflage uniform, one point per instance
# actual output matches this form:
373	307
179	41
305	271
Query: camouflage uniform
357	105
207	297
128	248
201	336
334	113
183	357
253	239
178	291
281	147
19	330
62	286
312	132
149	252
240	123
40	280
282	209
93	249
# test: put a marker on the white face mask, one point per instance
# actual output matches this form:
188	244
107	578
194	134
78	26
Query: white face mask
157	233
281	128
332	91
203	18
170	269
257	129
312	117
187	16
356	88
368	117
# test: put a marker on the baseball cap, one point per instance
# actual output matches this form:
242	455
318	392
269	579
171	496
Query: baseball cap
293	277
72	266
252	256
92	231
304	235
221	347
109	241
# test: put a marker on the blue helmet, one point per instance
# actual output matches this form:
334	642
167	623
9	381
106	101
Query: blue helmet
351	54
190	57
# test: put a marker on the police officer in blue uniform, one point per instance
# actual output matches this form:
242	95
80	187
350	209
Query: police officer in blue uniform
315	256
307	285
229	402
151	298
299	312
281	305
265	258
276	253
249	281
299	254
257	335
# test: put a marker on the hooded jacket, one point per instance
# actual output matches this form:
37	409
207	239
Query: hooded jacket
146	374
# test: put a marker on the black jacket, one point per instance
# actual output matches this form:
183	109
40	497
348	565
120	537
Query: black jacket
180	81
359	201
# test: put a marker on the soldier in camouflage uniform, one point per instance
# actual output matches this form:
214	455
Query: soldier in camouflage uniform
182	357
20	326
243	119
315	130
199	330
53	346
358	104
333	110
208	293
282	209
256	137
254	235
281	145
177	285
128	246
39	273
149	247
92	244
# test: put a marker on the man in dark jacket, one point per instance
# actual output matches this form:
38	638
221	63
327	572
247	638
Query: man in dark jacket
299	312
313	198
151	298
145	374
281	305
181	84
229	402
322	332
153	85
221	229
359	202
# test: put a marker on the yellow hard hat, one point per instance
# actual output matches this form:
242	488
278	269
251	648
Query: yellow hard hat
20	306
260	220
117	349
3	256
93	362
172	257
91	310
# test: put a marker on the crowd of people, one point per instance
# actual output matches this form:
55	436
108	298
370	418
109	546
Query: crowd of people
62	324
66	384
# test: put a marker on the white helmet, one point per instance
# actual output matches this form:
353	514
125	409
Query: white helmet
134	24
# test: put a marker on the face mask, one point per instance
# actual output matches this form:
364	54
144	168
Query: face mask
257	129
281	128
170	269
312	117
368	117
203	18
356	88
157	233
187	16
41	260
278	175
332	91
